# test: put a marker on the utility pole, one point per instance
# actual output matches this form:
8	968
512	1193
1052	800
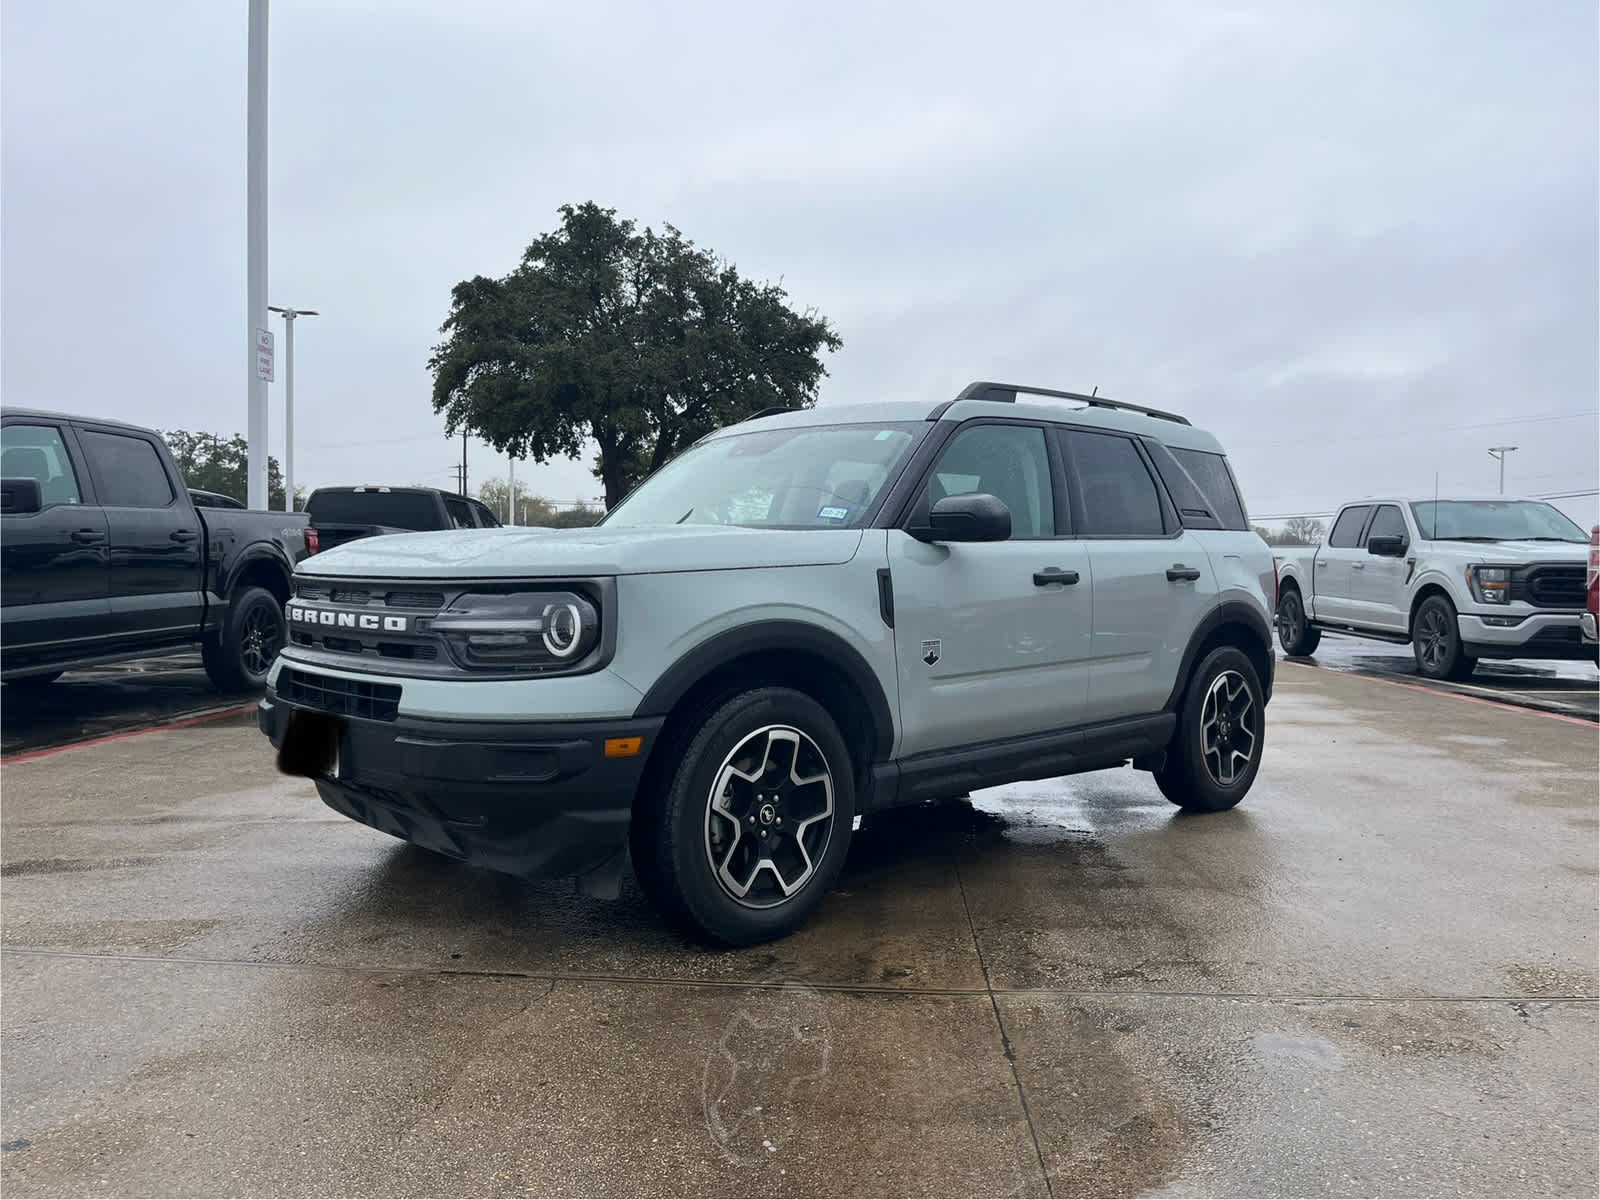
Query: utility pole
256	253
463	462
455	469
1500	453
511	485
289	314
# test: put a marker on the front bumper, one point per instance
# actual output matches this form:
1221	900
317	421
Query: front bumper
535	800
1537	635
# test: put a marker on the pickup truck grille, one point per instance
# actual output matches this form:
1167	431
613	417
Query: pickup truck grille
1561	586
347	697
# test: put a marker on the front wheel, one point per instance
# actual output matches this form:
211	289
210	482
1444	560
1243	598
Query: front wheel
1296	635
1436	641
1216	750
238	657
749	828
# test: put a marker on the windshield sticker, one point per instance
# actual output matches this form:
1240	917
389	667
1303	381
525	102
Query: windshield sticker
832	513
884	435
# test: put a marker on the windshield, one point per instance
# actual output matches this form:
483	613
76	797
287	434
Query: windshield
1495	520
814	477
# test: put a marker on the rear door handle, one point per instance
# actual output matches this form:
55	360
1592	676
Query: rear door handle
1181	573
87	537
184	535
1051	575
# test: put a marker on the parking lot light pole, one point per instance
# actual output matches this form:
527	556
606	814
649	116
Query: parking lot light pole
289	314
1500	452
256	252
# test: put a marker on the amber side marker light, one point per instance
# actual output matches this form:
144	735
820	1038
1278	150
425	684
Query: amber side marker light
623	747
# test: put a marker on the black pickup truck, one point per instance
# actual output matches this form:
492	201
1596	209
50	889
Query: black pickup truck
104	556
343	514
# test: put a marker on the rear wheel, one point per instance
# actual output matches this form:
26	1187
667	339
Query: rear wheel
1436	641
238	657
745	833
1216	750
1296	634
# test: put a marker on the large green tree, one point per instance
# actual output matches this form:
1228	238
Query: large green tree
216	464
639	340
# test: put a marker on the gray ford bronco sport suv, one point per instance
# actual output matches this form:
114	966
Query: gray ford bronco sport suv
804	618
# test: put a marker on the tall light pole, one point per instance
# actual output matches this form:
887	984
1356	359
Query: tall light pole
511	486
289	314
256	243
1500	452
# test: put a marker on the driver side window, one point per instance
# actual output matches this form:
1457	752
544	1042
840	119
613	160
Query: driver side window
1006	461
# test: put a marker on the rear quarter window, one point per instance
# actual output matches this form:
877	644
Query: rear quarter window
1211	476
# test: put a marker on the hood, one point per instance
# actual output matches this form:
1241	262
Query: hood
518	552
1514	553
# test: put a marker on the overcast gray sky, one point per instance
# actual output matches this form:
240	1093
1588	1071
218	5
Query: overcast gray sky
1356	240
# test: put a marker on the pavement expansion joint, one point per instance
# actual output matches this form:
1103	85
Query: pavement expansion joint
741	985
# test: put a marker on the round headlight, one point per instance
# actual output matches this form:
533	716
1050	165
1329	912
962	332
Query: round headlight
563	629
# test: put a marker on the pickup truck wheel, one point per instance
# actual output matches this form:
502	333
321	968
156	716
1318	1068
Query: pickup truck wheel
752	823
1436	641
1216	750
237	659
1296	635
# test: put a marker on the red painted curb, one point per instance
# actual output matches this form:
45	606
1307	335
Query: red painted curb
29	755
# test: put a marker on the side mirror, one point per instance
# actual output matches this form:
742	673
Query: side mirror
20	496
976	517
1390	545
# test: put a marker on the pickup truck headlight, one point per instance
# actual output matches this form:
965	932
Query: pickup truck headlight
1490	585
531	632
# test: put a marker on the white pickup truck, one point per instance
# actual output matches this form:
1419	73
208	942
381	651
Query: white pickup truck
1458	579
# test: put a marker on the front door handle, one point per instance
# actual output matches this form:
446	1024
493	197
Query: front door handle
184	535
87	537
1178	573
1051	575
1358	566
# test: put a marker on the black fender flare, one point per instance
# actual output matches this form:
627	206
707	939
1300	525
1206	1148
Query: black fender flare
252	554
1226	612
765	637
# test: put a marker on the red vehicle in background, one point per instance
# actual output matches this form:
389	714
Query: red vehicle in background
1592	617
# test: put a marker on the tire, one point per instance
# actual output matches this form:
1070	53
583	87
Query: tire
1216	752
1436	641
33	683
710	845
1296	635
238	658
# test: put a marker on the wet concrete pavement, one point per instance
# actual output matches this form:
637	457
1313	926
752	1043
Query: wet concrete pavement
1375	978
1572	688
105	701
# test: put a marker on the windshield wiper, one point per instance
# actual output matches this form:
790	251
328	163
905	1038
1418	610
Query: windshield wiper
683	518
1476	537
1548	538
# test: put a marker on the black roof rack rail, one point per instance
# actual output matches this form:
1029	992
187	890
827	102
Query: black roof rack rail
769	412
1006	393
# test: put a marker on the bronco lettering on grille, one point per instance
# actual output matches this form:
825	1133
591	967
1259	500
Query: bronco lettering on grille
346	620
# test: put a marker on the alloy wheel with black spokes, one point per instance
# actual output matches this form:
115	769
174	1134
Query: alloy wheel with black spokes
1436	641
769	816
740	835
1229	724
1221	731
263	638
1296	634
238	656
